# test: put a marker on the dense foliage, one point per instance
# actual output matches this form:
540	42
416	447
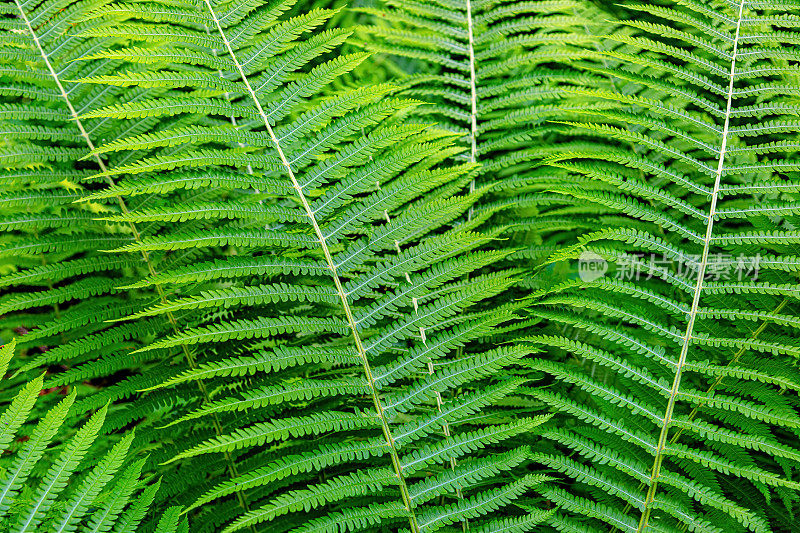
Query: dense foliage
401	265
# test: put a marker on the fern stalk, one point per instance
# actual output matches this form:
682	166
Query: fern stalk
739	353
473	157
136	235
473	99
701	272
711	388
415	528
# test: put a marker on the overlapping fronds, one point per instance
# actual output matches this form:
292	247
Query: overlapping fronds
70	486
314	383
257	283
678	385
57	284
493	72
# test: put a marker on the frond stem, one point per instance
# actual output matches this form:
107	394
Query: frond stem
473	158
415	528
473	100
136	235
687	339
733	361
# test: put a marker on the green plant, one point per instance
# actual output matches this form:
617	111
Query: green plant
679	375
492	72
295	299
345	209
61	287
102	497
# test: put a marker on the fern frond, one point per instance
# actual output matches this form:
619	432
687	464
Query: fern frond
53	502
660	348
348	211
